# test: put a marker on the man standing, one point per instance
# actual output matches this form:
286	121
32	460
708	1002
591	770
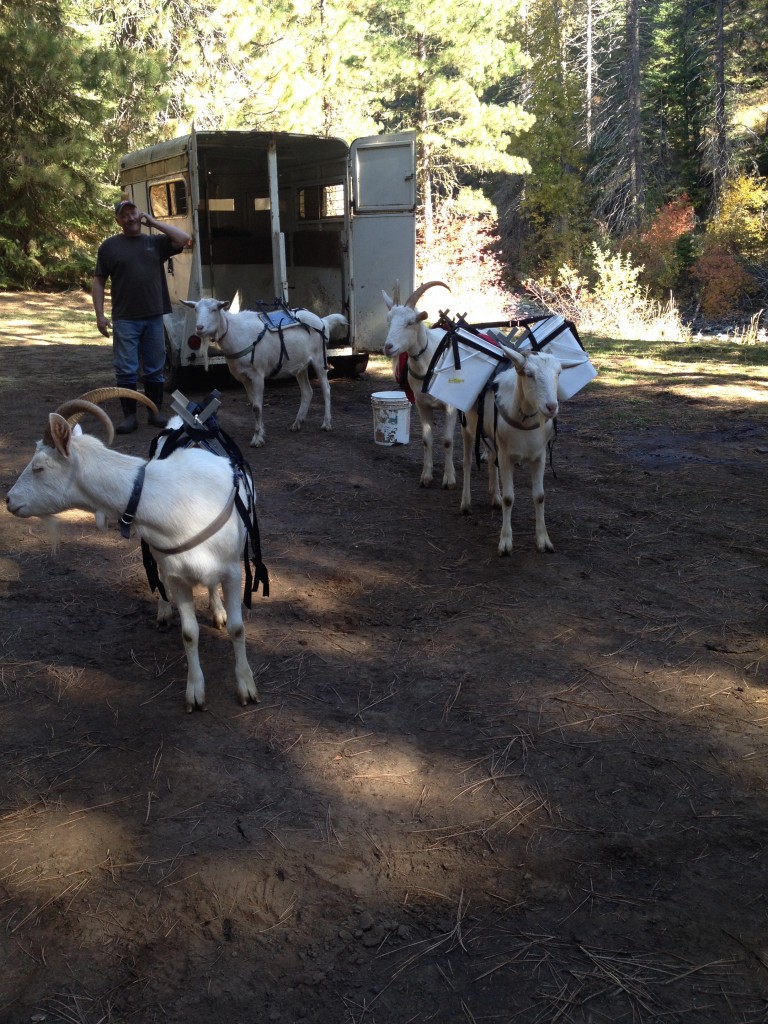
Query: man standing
134	262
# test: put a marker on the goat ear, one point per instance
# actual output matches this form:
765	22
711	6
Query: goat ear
61	433
188	302
389	301
424	315
223	305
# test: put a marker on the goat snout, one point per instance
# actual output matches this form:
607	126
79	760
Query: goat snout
13	506
550	409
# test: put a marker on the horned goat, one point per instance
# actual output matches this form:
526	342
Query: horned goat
254	353
185	513
408	334
516	416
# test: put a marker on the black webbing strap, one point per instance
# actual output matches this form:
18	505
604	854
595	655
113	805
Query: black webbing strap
259	573
126	519
566	325
150	568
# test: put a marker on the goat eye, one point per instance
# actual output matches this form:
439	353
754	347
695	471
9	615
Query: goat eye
38	469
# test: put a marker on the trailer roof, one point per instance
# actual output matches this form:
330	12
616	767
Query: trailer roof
290	147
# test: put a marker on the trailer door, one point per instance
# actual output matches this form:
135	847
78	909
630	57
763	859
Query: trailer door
382	230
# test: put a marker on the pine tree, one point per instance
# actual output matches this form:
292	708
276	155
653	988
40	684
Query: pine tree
443	68
55	95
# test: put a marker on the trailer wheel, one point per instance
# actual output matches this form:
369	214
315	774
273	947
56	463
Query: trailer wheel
348	365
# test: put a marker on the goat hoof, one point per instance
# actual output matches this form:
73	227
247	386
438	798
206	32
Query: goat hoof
466	510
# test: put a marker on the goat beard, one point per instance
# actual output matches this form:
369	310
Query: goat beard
52	526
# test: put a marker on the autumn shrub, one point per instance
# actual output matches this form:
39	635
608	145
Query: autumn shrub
740	222
734	249
724	281
611	301
663	247
465	254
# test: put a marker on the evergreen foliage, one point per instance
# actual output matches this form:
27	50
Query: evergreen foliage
639	127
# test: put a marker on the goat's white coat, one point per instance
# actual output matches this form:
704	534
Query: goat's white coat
181	496
408	333
234	332
526	394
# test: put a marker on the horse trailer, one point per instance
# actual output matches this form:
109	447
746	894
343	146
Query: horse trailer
298	219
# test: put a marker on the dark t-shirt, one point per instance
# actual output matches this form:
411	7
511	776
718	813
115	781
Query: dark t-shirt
135	267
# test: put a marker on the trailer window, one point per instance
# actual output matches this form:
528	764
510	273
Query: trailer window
221	205
168	199
317	202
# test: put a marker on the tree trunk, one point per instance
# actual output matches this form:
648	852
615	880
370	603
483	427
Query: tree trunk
590	70
634	123
425	153
720	162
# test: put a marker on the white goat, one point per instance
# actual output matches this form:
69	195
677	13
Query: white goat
407	333
254	353
518	413
185	513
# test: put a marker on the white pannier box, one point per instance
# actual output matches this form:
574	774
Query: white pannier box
460	369
560	338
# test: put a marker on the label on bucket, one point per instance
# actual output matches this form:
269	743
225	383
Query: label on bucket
391	417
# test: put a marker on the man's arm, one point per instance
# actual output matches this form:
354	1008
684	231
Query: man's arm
179	238
98	287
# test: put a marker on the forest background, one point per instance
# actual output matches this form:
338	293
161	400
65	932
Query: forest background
570	148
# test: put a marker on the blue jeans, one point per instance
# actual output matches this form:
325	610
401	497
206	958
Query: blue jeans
138	342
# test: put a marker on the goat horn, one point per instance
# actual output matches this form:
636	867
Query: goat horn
82	406
102	395
99	395
420	291
396	294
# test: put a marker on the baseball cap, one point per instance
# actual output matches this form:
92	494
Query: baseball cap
122	203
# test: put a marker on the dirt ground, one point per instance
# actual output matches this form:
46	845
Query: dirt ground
525	790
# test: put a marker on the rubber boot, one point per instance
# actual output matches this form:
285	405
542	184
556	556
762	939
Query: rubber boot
130	423
154	391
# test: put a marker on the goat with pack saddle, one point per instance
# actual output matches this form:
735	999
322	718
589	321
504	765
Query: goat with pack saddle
255	351
186	507
408	335
515	419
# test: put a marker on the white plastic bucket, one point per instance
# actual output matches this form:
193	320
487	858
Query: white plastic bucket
391	417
